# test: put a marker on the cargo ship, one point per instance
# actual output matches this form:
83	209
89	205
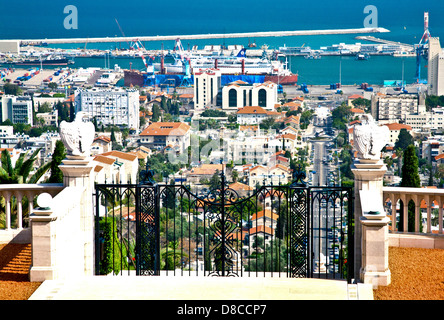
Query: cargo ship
48	61
231	65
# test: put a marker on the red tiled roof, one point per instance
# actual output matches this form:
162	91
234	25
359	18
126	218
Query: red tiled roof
355	96
397	126
267	213
261	229
120	155
251	110
166	128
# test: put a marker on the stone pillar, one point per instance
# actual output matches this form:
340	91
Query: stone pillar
19	198
43	239
371	222
77	172
7	196
368	177
375	243
440	215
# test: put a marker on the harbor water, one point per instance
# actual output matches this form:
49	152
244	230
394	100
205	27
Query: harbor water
45	19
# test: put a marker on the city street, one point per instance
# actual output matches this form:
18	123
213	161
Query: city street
325	214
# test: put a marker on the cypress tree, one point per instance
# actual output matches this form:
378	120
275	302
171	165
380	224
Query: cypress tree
57	158
410	178
410	175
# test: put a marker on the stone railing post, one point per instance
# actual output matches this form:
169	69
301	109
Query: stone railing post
375	243
43	239
371	222
77	169
78	173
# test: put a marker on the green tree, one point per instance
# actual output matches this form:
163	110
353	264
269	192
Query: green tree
57	158
45	107
410	175
22	170
340	116
361	102
215	181
267	123
405	139
434	101
52	85
13	89
72	112
305	118
410	178
156	113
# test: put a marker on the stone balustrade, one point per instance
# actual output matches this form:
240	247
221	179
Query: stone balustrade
16	194
57	239
427	198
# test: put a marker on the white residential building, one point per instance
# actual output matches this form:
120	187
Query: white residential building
240	94
261	175
17	109
49	118
395	108
115	166
251	115
207	83
435	67
427	121
115	106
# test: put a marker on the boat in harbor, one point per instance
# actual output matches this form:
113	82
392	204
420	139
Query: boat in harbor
47	61
184	62
313	56
362	56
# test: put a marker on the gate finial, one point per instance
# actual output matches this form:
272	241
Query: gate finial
298	177
147	176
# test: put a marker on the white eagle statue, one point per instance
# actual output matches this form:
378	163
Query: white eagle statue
369	138
77	136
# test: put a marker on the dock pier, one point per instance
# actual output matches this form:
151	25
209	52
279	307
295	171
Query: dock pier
208	36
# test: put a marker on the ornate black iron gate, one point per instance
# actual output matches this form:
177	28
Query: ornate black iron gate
282	231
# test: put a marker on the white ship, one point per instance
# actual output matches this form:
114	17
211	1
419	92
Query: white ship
185	62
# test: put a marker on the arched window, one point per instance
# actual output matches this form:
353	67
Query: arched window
262	97
232	98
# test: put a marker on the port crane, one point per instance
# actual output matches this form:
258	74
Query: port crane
422	47
135	43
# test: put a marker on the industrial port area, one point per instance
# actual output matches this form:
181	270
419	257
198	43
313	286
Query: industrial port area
43	67
34	64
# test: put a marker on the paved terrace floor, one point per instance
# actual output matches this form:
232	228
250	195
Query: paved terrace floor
200	288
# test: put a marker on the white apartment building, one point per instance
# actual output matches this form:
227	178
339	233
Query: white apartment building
49	118
240	94
17	109
427	121
395	108
435	67
207	83
251	115
251	150
263	175
115	106
431	148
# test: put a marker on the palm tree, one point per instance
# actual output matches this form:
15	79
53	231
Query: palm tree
23	167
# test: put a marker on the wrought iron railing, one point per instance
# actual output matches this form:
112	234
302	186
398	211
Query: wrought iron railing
274	231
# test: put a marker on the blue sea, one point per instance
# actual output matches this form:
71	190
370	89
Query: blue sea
97	18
